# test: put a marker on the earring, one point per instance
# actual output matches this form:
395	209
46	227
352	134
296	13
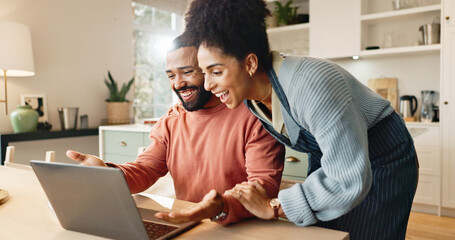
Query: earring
251	74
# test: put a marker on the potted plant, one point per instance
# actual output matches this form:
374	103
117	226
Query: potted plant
118	107
285	13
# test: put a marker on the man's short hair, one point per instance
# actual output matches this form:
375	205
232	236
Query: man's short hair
184	40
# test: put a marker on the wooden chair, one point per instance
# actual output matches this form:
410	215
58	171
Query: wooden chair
164	186
9	159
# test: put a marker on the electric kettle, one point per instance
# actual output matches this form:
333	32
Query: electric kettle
408	105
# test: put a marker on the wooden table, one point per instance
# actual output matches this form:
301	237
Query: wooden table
26	215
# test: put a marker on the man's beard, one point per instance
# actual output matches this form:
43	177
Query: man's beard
203	96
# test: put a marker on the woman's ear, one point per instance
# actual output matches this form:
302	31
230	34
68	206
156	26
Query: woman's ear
251	64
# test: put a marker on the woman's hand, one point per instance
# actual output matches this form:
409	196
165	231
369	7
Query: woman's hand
210	206
176	109
85	159
254	198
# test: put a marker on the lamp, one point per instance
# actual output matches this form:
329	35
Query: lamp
16	56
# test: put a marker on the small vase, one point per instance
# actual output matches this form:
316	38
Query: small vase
24	119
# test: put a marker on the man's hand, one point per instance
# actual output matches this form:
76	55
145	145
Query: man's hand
210	206
85	159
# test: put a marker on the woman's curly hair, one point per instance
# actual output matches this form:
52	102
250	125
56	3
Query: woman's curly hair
237	27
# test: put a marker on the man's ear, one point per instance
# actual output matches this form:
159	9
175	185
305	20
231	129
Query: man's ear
251	64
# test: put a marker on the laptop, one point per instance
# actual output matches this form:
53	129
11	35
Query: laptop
97	201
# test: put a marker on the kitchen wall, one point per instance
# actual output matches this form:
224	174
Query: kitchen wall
75	43
414	72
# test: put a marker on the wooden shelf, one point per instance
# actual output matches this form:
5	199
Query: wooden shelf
301	26
376	23
400	13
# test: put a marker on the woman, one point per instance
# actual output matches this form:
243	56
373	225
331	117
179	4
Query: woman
363	167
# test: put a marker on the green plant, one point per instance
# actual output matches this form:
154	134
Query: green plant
116	95
285	13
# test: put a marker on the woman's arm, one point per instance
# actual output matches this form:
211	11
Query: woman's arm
254	198
322	102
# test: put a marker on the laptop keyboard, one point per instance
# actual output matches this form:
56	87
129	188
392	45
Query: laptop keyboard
156	230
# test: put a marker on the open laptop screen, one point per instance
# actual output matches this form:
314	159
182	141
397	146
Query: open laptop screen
94	200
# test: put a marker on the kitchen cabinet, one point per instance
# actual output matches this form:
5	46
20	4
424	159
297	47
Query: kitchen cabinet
427	143
334	32
436	145
397	34
120	143
295	166
448	17
447	106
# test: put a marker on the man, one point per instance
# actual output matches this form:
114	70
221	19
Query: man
244	151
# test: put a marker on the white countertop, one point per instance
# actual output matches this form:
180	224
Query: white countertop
418	128
415	128
128	127
421	124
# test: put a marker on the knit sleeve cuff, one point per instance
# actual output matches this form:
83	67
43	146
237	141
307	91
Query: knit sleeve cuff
295	206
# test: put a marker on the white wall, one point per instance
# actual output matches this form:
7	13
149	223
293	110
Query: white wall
75	43
414	73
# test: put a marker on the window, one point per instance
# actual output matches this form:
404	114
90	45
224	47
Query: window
153	32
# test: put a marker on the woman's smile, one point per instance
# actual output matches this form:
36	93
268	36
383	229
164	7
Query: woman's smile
224	95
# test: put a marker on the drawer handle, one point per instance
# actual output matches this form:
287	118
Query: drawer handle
123	144
447	18
292	159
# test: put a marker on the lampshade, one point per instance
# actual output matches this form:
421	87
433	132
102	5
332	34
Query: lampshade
16	54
